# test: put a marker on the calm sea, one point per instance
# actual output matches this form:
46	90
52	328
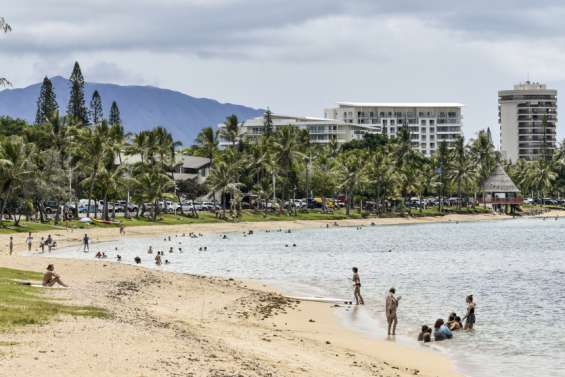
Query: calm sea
515	269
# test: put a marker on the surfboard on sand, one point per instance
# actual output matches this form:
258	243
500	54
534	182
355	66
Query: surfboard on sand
329	300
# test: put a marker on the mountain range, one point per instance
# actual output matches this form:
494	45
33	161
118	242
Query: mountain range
141	107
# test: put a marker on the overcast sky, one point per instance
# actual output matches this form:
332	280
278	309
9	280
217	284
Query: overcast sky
296	56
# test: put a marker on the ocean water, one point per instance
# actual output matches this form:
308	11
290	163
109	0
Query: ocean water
515	269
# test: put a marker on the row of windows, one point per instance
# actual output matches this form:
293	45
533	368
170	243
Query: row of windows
400	114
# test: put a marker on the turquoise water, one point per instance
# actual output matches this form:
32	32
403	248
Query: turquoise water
515	269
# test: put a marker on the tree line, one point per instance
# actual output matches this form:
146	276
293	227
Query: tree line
282	164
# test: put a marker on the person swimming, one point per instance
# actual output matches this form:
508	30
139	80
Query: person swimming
441	331
425	335
119	258
452	322
137	260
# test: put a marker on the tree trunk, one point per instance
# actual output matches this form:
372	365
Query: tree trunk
105	209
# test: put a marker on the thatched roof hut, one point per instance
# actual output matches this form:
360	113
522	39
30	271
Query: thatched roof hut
499	182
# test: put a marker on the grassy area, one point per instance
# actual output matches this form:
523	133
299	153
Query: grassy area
24	305
247	215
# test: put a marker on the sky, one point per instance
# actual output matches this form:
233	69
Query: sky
296	56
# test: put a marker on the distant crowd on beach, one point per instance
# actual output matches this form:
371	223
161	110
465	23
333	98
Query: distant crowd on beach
441	330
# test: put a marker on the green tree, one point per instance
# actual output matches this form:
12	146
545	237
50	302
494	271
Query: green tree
350	175
463	171
268	122
230	131
114	114
96	113
46	103
207	142
77	108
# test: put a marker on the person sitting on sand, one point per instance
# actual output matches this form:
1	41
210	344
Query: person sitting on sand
441	331
425	335
470	316
390	309
357	287
98	255
50	278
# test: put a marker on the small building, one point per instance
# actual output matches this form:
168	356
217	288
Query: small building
191	167
500	192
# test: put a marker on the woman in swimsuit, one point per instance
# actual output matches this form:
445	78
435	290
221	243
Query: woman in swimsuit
357	287
470	316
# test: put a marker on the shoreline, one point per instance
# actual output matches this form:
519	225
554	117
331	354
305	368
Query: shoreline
224	313
226	325
72	237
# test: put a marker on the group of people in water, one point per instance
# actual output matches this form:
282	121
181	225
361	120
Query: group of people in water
444	330
441	330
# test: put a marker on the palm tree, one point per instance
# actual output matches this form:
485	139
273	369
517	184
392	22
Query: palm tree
443	166
463	171
540	177
231	130
207	141
350	174
382	176
16	165
286	148
154	185
93	151
219	180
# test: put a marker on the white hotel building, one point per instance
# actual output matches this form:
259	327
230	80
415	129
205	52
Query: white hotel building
321	130
429	123
527	116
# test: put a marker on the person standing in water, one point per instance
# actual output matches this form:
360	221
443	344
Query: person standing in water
85	243
390	308
357	287
470	316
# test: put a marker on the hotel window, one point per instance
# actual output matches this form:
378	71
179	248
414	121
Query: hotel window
432	145
423	122
422	130
432	130
384	122
431	122
423	145
392	122
382	114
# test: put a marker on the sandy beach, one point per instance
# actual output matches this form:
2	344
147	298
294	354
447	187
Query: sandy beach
167	324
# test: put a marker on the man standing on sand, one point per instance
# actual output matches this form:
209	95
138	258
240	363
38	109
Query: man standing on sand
29	239
391	306
357	287
11	245
85	243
